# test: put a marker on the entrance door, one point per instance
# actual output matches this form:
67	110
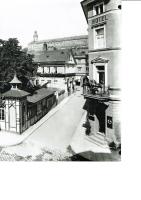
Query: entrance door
102	78
100	113
12	118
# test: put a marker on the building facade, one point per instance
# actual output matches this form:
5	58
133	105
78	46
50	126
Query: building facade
55	68
78	45
20	109
104	43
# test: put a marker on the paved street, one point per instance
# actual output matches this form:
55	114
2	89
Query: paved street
58	130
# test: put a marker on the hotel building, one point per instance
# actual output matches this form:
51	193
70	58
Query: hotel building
104	50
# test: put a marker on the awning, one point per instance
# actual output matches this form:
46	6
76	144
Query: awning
90	106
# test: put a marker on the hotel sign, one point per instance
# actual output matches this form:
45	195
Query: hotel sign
99	20
109	122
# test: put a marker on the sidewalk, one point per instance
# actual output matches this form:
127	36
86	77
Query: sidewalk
11	139
80	144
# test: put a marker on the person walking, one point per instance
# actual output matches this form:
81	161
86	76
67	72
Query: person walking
68	86
68	89
85	84
73	85
57	97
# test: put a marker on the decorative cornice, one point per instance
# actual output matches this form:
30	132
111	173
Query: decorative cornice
99	60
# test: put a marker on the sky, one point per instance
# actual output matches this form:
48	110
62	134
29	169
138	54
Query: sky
51	18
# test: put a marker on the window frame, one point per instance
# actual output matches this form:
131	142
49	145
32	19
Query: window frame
95	37
2	114
96	71
98	6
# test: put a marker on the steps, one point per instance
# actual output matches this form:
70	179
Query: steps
98	139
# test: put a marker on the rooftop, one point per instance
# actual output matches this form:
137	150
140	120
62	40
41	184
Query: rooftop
63	39
41	94
15	80
15	94
55	56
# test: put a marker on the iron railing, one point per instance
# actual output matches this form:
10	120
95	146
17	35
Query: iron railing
96	89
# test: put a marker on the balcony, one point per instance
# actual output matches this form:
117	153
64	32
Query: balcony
96	91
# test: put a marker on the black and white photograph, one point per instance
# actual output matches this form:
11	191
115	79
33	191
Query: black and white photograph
60	91
70	94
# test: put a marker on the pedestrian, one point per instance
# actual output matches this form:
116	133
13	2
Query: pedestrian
56	95
68	89
85	84
68	86
73	86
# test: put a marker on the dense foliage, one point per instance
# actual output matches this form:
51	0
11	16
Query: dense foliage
14	60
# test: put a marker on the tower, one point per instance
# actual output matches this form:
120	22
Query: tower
35	36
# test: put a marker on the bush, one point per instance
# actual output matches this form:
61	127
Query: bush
115	146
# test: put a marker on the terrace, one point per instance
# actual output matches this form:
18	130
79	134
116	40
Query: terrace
97	91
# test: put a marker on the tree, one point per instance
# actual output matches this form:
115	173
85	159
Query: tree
13	59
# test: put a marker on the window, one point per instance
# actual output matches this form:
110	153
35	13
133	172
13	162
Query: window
2	116
101	9
99	39
37	82
23	114
78	61
79	69
39	108
44	103
101	74
98	9
14	86
55	70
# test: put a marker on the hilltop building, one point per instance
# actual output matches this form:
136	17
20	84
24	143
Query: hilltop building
77	45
